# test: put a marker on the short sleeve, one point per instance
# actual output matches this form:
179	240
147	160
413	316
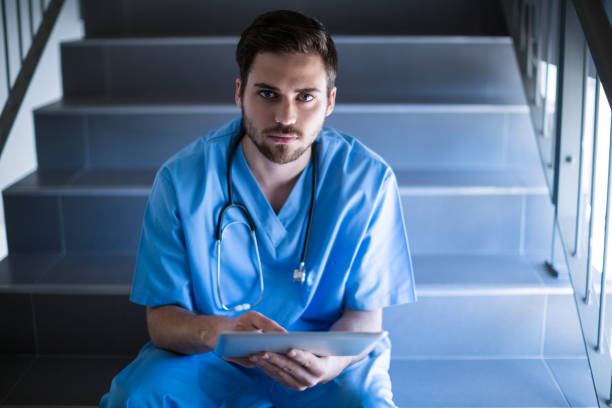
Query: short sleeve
162	273
381	273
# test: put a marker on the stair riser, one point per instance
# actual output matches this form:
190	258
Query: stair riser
478	224
443	326
118	18
71	324
74	223
203	70
470	224
406	140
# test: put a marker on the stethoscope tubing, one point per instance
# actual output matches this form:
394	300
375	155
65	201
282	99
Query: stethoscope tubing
251	225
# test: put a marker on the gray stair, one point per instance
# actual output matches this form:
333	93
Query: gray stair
158	18
407	136
397	70
491	328
77	381
441	210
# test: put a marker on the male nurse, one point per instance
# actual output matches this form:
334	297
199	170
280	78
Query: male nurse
303	192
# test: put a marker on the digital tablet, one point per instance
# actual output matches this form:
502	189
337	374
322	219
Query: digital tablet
330	343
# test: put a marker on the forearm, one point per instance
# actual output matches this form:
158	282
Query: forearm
179	330
359	321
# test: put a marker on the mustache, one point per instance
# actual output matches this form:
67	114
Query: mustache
283	129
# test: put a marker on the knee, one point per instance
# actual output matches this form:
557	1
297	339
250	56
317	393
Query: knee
125	394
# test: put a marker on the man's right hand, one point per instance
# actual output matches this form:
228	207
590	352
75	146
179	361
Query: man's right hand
250	321
179	330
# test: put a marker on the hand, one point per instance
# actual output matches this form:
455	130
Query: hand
250	321
300	369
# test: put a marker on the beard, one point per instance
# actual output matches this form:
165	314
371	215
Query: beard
277	152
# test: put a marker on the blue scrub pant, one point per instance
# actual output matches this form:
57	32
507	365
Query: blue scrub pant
158	378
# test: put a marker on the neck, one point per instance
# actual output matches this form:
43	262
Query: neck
275	180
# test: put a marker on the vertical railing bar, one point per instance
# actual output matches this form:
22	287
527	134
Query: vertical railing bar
6	49
545	105
42	10
604	269
589	263
529	40
578	231
19	33
30	7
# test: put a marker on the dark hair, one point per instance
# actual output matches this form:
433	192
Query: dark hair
284	31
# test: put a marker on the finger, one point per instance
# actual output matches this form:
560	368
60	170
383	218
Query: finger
293	368
259	321
310	362
243	361
282	377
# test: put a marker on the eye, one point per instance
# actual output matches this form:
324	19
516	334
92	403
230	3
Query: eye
305	97
267	94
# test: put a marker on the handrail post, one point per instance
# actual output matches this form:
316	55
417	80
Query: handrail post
6	49
578	230
604	269
589	262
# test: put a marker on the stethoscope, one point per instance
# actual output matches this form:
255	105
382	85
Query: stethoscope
299	275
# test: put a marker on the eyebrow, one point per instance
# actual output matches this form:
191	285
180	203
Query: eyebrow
263	85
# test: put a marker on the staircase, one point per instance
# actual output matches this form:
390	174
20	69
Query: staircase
446	111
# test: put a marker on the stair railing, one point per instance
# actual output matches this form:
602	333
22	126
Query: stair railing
26	66
565	57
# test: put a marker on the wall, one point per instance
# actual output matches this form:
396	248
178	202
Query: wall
19	156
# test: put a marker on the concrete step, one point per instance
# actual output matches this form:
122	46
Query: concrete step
492	383
488	305
476	70
538	382
407	136
88	211
120	18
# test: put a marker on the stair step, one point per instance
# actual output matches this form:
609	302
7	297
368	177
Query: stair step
488	305
441	209
536	382
407	136
58	380
492	383
397	70
118	18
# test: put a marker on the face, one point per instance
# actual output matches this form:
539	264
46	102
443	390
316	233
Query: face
284	103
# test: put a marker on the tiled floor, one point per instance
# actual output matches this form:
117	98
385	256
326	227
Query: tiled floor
81	381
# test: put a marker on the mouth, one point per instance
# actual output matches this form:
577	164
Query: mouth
283	138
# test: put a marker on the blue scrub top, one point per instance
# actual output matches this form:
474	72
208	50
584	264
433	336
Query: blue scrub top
357	256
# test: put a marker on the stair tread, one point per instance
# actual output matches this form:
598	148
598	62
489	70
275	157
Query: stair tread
338	39
134	105
434	275
470	274
74	273
451	181
527	382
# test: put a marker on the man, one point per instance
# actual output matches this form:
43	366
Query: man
328	261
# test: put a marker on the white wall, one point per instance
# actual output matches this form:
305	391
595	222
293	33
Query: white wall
19	156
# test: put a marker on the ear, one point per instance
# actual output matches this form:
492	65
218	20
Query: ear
237	95
331	102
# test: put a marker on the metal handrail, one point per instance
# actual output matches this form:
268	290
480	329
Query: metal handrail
17	91
583	28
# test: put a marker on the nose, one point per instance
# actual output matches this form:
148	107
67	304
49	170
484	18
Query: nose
286	113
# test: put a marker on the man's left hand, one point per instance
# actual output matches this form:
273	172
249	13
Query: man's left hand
300	369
